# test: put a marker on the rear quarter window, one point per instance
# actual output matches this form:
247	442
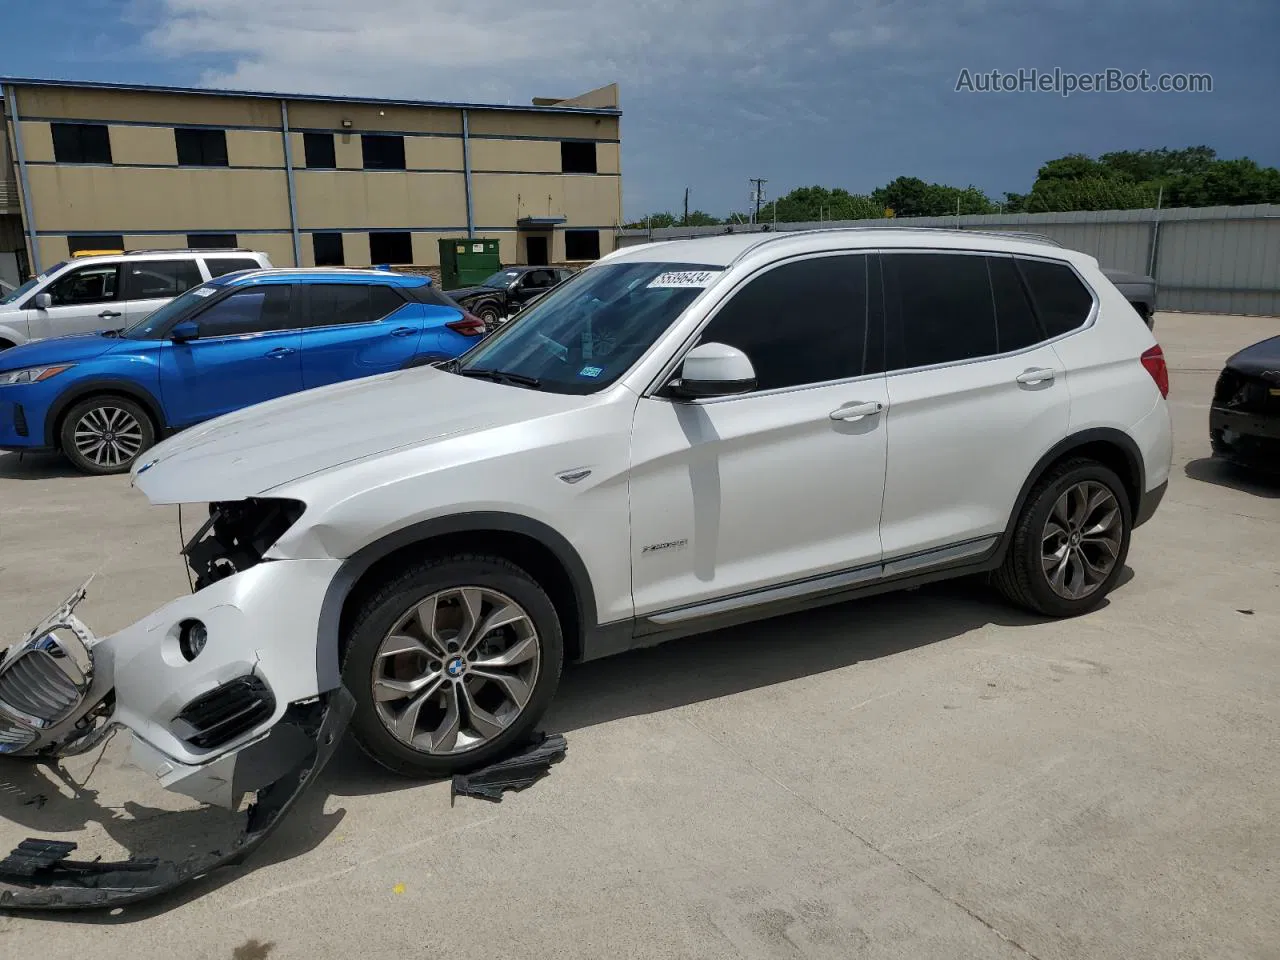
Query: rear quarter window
218	266
1062	301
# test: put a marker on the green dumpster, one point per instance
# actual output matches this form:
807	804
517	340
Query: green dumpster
465	261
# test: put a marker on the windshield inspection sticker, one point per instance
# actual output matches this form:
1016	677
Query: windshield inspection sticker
204	292
696	279
590	372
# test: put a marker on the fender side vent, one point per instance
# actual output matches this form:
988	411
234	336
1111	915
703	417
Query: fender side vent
224	713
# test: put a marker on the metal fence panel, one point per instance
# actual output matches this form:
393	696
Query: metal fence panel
1207	259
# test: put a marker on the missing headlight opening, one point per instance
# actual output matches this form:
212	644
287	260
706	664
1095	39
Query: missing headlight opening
236	536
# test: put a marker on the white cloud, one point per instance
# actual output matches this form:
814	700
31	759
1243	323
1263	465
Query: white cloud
499	50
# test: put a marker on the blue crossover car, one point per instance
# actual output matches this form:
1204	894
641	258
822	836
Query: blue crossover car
243	338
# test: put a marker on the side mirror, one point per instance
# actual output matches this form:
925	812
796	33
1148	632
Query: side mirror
714	370
187	330
43	301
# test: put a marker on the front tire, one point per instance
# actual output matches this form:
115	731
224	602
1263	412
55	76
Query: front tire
450	664
490	315
106	434
1070	541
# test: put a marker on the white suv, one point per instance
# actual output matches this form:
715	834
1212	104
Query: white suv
88	293
685	435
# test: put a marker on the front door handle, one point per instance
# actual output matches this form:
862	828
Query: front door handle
108	314
1035	375
279	352
856	411
402	331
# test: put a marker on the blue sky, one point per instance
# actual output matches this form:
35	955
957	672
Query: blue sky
836	92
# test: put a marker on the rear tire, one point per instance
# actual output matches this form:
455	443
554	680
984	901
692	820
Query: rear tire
435	703
106	434
1070	542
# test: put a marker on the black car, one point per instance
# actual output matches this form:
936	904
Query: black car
1244	421
506	291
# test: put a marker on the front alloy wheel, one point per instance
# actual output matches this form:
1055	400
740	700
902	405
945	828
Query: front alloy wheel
452	663
456	670
106	434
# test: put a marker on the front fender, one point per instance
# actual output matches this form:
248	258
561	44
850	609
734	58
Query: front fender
14	330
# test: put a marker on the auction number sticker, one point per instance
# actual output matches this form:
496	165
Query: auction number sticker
686	279
204	292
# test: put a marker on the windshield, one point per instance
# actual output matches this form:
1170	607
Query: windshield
500	280
158	320
30	285
586	333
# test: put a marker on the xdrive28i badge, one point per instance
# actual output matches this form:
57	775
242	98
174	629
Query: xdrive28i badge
668	545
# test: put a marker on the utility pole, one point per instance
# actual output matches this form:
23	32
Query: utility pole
685	221
758	196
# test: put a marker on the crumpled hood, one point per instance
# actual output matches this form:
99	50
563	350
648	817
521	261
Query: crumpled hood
463	293
248	453
81	346
1260	359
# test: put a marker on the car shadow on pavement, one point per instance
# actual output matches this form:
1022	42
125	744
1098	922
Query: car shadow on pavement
1224	474
35	466
676	674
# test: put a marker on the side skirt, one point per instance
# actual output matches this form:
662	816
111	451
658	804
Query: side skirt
900	573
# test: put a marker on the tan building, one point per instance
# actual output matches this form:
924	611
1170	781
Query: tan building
309	180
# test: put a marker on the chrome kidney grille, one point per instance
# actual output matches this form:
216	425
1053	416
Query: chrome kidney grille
41	684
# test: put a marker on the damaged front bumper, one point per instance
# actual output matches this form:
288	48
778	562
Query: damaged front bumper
245	713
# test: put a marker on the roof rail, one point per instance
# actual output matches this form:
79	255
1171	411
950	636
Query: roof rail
154	250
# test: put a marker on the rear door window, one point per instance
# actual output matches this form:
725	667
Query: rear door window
159	279
938	309
338	304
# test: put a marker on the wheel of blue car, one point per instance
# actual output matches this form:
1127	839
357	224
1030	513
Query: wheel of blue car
106	434
451	664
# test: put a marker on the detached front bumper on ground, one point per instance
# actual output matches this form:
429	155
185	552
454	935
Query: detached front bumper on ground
235	718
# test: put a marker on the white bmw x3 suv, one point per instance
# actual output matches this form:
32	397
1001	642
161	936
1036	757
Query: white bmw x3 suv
683	436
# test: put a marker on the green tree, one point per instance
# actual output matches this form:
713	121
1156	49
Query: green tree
699	218
912	197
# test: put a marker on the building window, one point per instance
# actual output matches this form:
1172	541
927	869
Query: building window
390	248
328	250
79	244
382	152
201	148
582	244
318	149
211	241
577	157
81	143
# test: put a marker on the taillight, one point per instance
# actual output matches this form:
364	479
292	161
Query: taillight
1153	360
469	326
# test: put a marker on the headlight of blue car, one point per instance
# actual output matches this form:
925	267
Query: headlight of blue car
33	374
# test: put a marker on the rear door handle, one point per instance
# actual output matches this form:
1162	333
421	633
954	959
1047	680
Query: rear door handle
279	352
1035	375
402	331
108	314
856	411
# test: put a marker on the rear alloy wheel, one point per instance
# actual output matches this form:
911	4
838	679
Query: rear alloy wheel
1070	542
104	435
451	664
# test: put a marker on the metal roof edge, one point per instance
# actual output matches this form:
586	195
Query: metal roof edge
307	97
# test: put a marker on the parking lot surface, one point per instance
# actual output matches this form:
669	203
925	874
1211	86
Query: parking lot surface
919	775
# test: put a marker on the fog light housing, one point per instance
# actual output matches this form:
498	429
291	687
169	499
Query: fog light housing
192	637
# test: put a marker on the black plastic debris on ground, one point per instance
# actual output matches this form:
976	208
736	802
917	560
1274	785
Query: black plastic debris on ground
517	772
31	856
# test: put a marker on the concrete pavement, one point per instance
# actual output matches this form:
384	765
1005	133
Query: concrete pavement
920	775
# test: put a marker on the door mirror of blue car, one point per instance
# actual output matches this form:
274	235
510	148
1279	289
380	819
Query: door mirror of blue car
187	330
